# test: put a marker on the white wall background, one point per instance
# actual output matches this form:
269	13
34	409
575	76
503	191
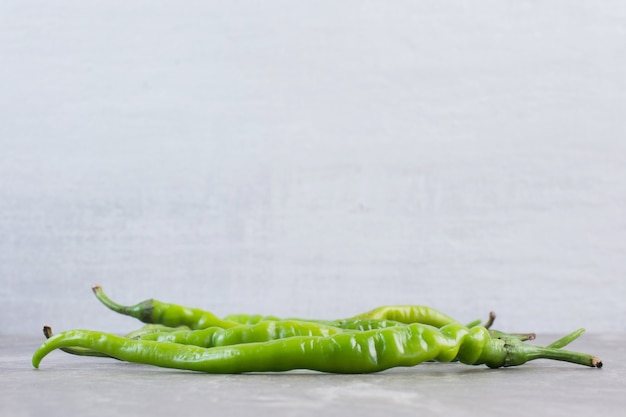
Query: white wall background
314	158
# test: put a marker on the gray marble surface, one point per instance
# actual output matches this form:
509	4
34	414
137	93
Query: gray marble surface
69	386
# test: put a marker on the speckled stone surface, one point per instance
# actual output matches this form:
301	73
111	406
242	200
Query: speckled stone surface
69	386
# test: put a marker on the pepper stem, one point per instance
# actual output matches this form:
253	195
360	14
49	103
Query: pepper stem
141	311
102	297
518	352
473	323
569	356
566	340
490	320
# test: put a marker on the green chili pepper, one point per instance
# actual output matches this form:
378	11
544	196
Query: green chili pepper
216	336
261	332
405	314
171	315
408	314
355	352
144	332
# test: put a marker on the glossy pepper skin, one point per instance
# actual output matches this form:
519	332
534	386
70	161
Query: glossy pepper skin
358	324
354	352
363	325
408	314
144	332
365	321
250	319
261	332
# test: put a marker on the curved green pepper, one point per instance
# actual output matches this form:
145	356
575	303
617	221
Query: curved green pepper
408	314
171	315
355	352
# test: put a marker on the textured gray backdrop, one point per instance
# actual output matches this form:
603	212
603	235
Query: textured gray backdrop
314	158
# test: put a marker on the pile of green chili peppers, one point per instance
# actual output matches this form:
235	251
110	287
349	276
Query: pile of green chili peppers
193	339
